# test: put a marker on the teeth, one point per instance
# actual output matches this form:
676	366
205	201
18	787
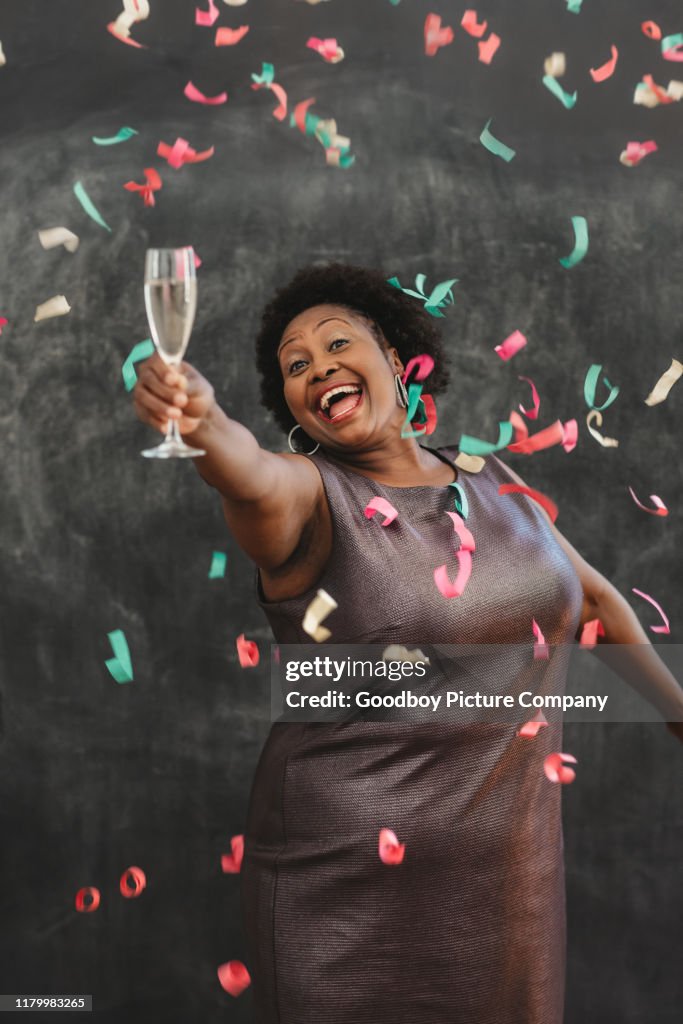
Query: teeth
347	389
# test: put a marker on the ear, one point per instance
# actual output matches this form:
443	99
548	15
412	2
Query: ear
394	360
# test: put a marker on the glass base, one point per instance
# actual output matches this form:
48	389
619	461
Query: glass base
172	450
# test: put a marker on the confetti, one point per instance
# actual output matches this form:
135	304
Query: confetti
554	768
120	666
133	11
660	510
182	153
389	848
541	652
81	896
328	49
56	306
142	350
206	18
590	384
414	392
567	100
672	47
233	976
230	36
3	59
132	882
470	24
464	556
494	145
474	446
532	413
554	434
555	65
319	608
649	94
247	652
193	93
580	225
241	3
425	365
122	135
88	205
3	322
397	652
606	442
574	6
378	504
218	563
153	184
51	237
665	383
231	863
435	35
651	30
606	70
336	146
460	498
636	151
655	629
531	728
265	79
589	634
487	48
542	499
511	345
440	296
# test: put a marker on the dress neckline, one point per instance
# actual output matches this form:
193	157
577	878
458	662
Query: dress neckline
409	487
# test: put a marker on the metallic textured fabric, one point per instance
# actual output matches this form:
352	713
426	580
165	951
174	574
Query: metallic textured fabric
470	927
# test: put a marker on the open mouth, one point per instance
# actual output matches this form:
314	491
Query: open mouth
340	402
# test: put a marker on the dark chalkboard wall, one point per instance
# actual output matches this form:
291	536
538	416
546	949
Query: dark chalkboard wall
97	776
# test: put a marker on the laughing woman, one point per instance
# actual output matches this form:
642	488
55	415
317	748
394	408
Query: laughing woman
470	927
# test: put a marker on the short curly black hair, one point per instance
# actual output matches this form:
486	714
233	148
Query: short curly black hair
362	290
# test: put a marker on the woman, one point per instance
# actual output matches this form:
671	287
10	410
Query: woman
470	927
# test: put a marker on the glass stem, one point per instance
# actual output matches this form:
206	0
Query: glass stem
173	432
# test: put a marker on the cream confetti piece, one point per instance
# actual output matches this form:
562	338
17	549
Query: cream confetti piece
397	652
555	65
56	306
320	607
606	442
3	59
51	237
665	383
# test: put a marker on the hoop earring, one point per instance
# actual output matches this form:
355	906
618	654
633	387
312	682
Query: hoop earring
297	426
401	393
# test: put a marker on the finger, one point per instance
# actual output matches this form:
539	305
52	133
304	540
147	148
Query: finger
175	377
188	424
154	406
149	379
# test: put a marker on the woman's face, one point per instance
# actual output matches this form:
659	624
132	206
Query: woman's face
327	346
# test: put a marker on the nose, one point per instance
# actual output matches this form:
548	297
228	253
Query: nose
320	374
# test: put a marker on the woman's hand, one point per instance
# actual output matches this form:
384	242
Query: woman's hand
165	392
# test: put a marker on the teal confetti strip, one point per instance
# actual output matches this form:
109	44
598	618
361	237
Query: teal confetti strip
142	350
672	43
591	383
574	6
120	665
460	499
475	446
580	225
88	205
414	392
556	89
267	74
441	295
494	145
218	562
122	135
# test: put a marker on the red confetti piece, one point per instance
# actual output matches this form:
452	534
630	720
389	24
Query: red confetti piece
425	365
555	770
182	153
661	509
247	652
231	863
133	875
554	434
606	70
378	504
530	728
389	848
206	18
3	322
533	412
655	629
469	23
300	114
651	30
230	36
430	412
543	501
660	93
88	891
193	93
540	646
280	111
147	191
590	633
570	435
435	35
487	48
234	977
124	39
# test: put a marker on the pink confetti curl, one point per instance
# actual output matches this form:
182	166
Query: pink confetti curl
530	728
425	365
661	509
651	30
471	26
3	322
230	36
389	848
234	977
554	768
147	191
655	629
206	18
511	345
590	633
532	413
435	35
540	646
487	48
89	891
193	93
231	863
247	652
606	70
182	153
378	504
133	875
464	553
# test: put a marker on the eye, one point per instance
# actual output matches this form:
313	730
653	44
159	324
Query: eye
334	341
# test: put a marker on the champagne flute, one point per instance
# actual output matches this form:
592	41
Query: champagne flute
170	301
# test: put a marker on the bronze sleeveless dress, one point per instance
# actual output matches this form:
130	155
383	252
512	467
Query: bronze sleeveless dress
470	928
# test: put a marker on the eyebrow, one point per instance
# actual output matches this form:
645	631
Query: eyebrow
319	324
